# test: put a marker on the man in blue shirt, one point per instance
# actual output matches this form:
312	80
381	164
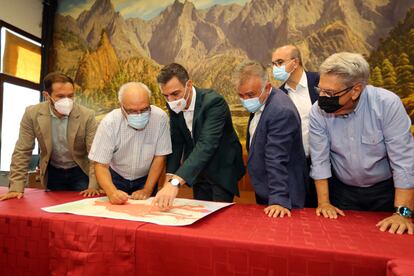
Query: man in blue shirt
360	139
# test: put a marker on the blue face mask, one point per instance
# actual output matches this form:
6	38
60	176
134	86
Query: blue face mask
252	105
138	121
280	74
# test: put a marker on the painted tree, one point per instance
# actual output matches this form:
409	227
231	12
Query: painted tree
410	45
376	77
388	75
405	76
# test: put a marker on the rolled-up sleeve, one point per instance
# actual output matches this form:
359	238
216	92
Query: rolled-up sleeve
319	145
399	143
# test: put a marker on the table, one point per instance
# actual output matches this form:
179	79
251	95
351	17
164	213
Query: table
33	242
239	240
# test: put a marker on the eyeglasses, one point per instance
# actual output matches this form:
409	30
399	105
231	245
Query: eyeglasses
131	111
329	93
280	62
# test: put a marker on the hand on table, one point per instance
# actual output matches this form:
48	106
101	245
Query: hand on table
328	211
10	195
165	197
118	197
141	194
91	192
276	211
396	224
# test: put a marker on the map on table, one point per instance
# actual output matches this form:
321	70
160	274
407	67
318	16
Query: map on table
183	212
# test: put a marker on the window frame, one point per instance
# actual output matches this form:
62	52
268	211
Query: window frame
14	80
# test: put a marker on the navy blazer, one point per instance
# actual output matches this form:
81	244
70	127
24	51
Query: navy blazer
313	80
277	161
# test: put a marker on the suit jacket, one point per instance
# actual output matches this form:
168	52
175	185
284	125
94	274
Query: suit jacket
214	151
277	161
313	80
36	124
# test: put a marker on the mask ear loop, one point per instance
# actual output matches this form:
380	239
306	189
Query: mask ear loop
294	68
263	90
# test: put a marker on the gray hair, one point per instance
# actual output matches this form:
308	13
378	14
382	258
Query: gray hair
350	67
247	70
132	84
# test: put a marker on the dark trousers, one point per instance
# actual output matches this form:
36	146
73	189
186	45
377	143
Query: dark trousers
73	179
205	189
379	197
311	197
129	186
261	200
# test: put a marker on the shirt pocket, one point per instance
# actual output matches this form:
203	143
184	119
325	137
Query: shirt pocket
373	146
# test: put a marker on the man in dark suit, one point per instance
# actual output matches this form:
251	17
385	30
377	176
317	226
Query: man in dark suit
299	85
207	154
276	162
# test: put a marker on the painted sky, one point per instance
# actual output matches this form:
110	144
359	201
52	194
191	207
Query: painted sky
144	9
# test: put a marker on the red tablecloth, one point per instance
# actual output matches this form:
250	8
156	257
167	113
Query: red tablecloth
33	242
401	267
239	240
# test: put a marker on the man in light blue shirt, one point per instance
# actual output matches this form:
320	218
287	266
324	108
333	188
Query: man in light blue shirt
360	140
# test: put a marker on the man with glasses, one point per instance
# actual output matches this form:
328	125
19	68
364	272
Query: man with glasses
131	145
206	153
361	141
299	85
65	131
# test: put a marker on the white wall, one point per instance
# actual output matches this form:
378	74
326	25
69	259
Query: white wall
23	14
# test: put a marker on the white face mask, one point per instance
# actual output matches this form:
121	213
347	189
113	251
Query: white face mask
178	105
64	106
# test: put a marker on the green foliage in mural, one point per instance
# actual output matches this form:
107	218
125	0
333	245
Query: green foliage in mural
376	77
388	75
405	73
392	63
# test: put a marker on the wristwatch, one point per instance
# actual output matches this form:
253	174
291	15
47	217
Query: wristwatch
404	211
175	182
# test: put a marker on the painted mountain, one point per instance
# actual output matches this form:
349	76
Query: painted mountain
102	49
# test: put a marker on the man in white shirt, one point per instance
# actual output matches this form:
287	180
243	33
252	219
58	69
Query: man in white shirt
299	85
131	145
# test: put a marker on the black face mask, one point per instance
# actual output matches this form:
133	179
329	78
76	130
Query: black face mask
329	104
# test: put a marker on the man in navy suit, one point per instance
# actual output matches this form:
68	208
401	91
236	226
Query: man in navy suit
276	161
299	85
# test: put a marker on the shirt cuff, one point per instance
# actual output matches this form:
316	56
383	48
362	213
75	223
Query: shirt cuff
404	180
320	172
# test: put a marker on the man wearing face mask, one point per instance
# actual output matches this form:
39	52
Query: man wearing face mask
65	132
207	154
360	139
131	145
276	162
299	85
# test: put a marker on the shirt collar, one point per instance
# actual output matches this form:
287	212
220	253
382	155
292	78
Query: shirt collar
303	82
193	100
362	99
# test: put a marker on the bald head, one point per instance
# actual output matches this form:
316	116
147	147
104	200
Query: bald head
287	52
134	96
